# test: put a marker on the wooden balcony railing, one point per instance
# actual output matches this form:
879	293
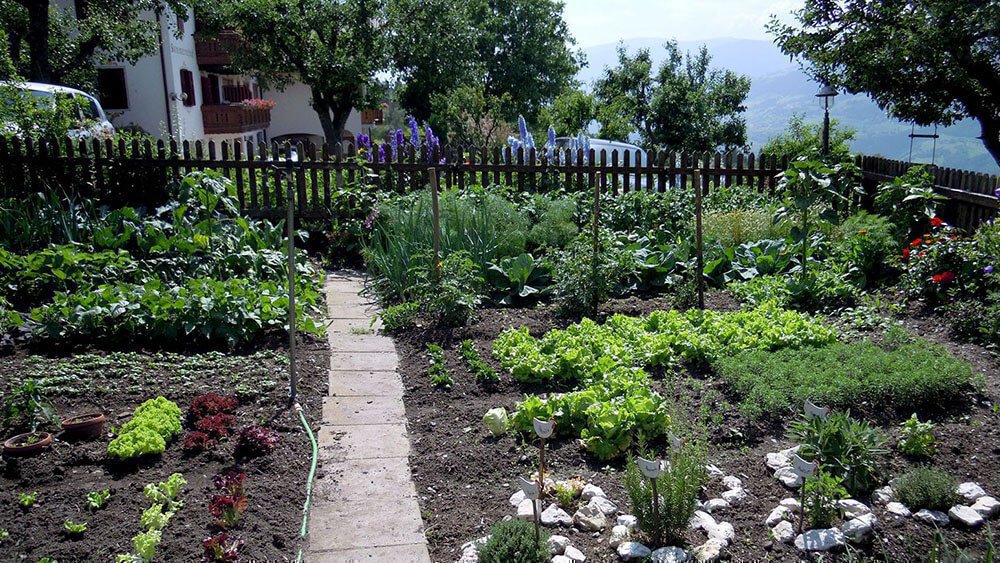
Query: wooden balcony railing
217	51
223	119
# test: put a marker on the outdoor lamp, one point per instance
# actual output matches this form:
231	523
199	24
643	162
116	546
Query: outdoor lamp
826	94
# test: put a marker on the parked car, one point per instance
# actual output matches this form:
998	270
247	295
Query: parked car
636	156
90	121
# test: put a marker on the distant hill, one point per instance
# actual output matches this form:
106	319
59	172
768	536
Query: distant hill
779	90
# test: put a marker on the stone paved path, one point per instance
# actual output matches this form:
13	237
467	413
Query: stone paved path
364	505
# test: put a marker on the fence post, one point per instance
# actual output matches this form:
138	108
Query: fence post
698	242
437	222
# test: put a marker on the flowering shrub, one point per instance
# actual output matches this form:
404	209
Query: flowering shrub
210	404
229	506
942	264
258	103
257	440
222	547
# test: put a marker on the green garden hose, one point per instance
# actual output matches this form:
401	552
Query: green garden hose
309	483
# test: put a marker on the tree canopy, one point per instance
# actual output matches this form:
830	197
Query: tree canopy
570	112
685	104
925	61
802	138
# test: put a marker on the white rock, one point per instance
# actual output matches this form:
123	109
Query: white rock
669	555
526	512
627	520
777	460
630	551
823	539
713	472
857	529
517	498
732	482
558	544
788	477
883	495
898	511
574	554
469	556
792	504
852	508
619	534
970	491
777	515
604	505
701	520
966	516
986	506
790	451
932	517
561	559
708	552
783	532
476	543
590	519
715	504
591	491
555	516
723	531
734	496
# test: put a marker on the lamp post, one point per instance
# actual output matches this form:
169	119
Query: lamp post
826	93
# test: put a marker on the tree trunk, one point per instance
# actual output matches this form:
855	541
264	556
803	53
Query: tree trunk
991	137
37	36
332	116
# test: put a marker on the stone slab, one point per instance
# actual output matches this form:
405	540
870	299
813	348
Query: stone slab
375	441
407	553
365	524
339	311
380	482
346	411
361	343
365	384
354	326
366	361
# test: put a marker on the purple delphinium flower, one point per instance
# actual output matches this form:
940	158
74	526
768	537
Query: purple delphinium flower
988	270
372	216
529	142
522	128
431	141
550	146
996	192
397	140
414	135
381	152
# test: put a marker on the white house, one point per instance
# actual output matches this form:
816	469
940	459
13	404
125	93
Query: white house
188	90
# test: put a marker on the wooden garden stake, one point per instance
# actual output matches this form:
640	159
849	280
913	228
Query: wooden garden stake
437	222
532	491
293	378
698	241
803	468
597	244
543	428
652	469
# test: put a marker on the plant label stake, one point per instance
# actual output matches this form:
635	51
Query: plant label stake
652	469
532	492
804	469
293	378
543	428
811	411
698	240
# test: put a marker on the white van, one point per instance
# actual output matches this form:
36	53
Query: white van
93	122
636	156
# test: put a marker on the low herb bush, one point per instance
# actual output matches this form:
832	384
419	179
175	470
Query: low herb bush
153	424
926	487
399	317
677	488
916	439
513	541
978	320
821	495
913	374
848	449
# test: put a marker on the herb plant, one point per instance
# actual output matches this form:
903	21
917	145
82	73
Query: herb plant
822	491
513	541
846	448
475	363
438	371
27	407
926	487
74	528
399	317
97	499
27	500
916	438
677	487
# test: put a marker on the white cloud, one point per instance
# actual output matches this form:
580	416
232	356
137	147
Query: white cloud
596	22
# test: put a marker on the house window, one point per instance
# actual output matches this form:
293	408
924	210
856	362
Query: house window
187	87
111	88
180	24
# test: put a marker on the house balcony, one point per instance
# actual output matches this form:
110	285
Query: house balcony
217	51
234	119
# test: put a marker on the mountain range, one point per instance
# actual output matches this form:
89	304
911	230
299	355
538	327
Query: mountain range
780	89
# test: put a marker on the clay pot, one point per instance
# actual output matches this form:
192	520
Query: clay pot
18	446
84	427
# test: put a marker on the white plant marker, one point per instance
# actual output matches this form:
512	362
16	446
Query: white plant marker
813	411
531	492
652	469
544	429
804	469
675	442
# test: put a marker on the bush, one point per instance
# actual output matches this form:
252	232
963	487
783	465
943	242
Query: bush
513	541
555	226
153	423
400	317
909	201
864	244
925	487
451	296
821	494
916	438
640	212
582	282
740	226
977	320
845	448
677	488
912	375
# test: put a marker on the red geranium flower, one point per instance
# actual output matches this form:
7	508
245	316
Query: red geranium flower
944	278
936	222
916	242
906	254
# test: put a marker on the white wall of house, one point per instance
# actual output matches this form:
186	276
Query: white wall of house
293	113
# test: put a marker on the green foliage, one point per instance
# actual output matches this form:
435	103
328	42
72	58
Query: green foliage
640	212
396	318
97	499
144	544
566	495
438	371
153	423
926	487
584	280
27	407
74	528
470	116
519	278
450	296
24	115
864	244
846	448
475	363
677	488
153	518
555	225
977	320
822	491
914	374
909	201
942	265
570	112
740	226
27	500
801	138
916	438
4	535
513	541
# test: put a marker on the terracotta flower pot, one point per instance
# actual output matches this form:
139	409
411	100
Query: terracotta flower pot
84	427
20	445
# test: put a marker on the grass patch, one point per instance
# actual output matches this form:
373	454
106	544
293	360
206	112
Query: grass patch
904	377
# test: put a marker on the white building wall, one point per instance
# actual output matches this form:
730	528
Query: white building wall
179	55
293	114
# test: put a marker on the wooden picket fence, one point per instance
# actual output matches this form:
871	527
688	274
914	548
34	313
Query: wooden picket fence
137	173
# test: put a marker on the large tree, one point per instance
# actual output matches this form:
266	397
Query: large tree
925	61
685	104
336	48
569	113
60	43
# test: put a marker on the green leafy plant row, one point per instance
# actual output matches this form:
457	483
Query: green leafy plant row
154	423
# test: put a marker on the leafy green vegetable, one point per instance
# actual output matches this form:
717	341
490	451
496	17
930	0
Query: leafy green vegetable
97	499
154	422
438	371
75	528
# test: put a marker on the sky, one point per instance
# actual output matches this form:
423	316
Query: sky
597	22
